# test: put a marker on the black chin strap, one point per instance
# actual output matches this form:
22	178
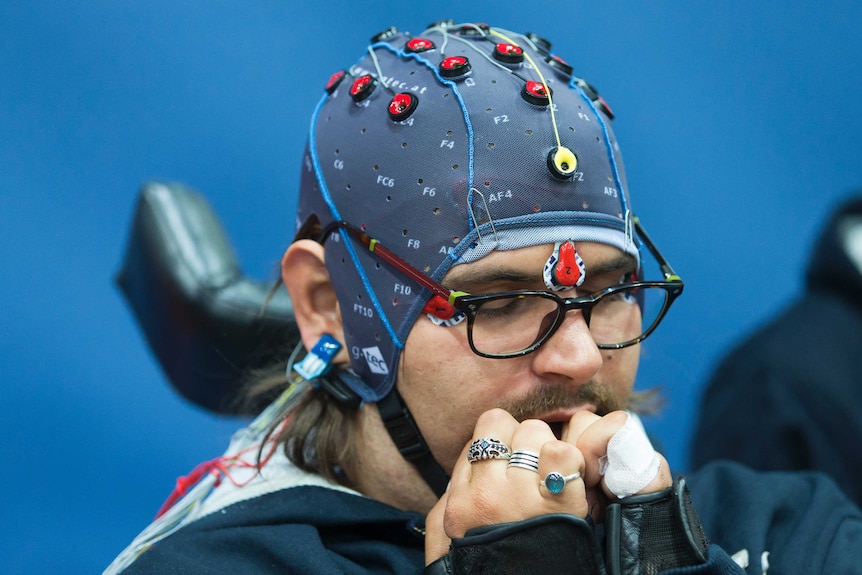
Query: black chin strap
407	437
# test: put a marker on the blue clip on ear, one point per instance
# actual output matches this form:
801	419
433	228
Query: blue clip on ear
319	359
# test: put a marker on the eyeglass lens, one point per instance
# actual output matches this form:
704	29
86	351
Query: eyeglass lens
509	324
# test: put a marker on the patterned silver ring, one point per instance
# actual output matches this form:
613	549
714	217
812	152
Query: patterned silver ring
555	482
487	448
525	460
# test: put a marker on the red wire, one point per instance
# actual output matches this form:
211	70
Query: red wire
220	466
186	481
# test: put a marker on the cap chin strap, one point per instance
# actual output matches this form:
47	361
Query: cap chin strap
407	437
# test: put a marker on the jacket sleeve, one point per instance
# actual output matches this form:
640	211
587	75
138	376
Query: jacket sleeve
644	534
554	543
757	523
307	529
777	522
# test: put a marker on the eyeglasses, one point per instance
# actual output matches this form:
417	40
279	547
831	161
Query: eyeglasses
515	323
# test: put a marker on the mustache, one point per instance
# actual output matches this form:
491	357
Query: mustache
551	397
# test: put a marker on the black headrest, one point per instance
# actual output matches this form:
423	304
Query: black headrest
206	323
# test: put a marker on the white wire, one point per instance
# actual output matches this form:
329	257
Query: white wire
178	514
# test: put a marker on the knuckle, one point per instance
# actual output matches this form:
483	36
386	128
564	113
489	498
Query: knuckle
617	417
493	417
534	426
583	418
557	450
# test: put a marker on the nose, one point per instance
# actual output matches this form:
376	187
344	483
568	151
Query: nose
571	352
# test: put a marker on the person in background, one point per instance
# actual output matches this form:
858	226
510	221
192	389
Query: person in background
472	287
789	396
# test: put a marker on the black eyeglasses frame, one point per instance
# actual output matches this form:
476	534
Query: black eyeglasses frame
445	303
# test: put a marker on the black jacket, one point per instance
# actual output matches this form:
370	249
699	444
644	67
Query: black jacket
794	523
790	395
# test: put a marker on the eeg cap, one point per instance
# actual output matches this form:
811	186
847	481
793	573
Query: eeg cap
444	147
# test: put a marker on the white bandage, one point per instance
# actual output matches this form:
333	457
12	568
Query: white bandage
631	462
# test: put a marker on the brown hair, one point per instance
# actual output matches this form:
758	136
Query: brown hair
314	429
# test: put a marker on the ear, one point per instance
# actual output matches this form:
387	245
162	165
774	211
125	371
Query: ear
312	294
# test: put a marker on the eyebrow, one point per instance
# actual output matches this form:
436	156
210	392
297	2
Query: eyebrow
621	263
470	280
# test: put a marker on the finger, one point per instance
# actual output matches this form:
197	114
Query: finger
572	431
527	443
497	427
619	443
477	491
561	484
593	442
577	424
461	472
459	485
436	540
662	480
496	424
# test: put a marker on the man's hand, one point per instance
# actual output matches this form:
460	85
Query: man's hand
490	492
592	434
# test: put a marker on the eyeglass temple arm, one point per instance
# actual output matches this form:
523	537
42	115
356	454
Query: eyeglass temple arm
448	297
666	269
389	257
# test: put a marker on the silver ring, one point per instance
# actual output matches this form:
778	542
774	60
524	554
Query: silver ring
555	482
525	460
487	448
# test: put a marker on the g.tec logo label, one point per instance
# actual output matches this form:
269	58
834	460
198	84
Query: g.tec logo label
375	360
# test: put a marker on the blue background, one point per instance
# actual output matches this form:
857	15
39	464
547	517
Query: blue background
739	123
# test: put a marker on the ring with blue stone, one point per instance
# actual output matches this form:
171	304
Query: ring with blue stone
488	448
555	482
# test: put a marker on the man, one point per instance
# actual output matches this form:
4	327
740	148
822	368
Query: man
467	278
804	364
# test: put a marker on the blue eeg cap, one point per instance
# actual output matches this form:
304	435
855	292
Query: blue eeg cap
444	147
